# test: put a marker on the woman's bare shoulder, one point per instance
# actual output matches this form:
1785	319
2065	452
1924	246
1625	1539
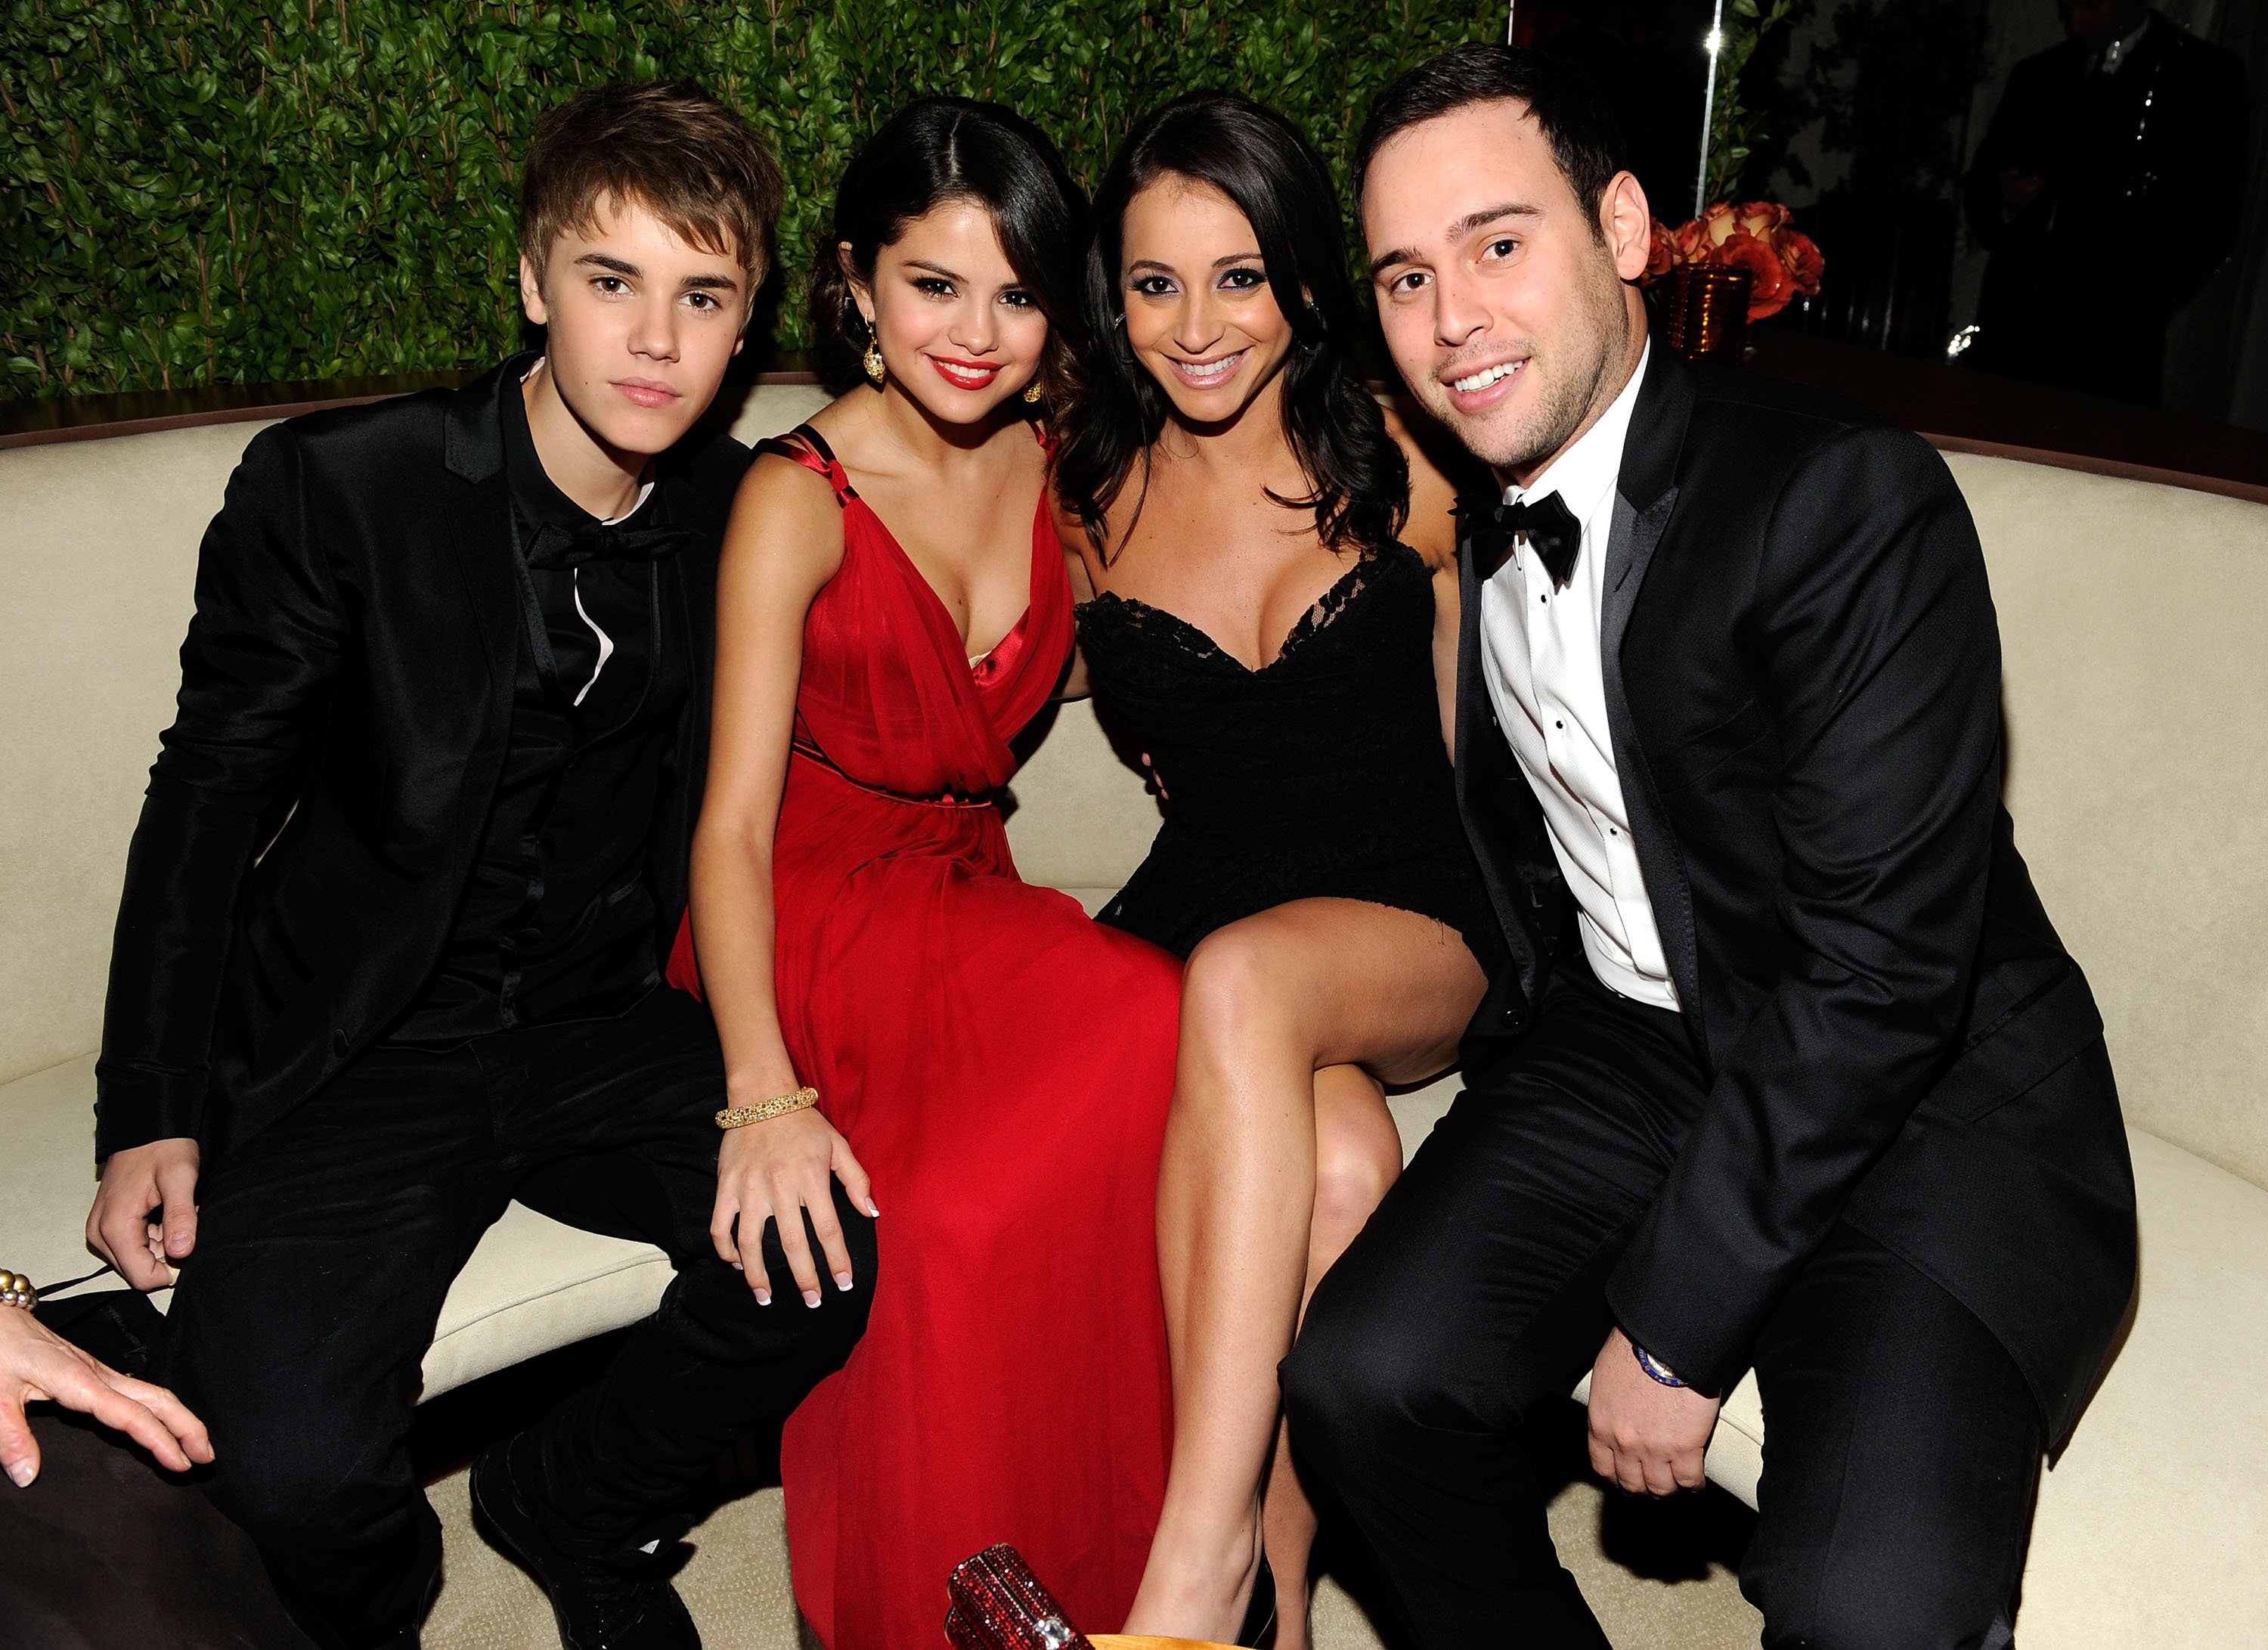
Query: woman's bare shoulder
785	508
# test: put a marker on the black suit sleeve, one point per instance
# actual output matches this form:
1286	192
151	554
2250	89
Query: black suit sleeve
1880	664
269	629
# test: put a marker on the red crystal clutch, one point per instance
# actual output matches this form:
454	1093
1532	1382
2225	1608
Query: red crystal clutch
998	1604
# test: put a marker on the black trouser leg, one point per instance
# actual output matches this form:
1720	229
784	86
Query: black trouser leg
1475	1293
1902	1456
325	1247
1903	1443
619	1119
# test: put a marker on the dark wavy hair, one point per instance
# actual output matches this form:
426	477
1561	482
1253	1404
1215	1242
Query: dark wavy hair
1357	478
937	149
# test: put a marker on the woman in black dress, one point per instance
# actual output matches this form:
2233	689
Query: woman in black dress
1268	564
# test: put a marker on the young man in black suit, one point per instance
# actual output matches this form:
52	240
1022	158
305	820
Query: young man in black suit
390	949
1790	1071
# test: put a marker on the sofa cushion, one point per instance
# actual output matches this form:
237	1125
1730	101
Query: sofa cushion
2136	687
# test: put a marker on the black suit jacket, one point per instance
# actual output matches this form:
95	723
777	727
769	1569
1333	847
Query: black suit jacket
1802	680
345	704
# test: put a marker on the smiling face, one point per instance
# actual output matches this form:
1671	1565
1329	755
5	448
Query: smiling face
959	330
1510	317
1200	315
640	324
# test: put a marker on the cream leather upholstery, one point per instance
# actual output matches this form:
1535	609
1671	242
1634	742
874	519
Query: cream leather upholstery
2137	694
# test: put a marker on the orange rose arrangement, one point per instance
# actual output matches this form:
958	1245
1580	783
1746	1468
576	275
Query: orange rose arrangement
1782	263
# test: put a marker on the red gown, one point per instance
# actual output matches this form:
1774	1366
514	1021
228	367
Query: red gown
1001	1066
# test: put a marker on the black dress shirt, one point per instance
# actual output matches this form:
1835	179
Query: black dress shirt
558	918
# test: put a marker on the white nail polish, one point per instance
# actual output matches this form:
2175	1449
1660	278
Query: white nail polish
871	1210
764	1297
21	1472
843	1282
811	1297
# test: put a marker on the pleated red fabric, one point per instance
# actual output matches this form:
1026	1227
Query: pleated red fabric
1001	1066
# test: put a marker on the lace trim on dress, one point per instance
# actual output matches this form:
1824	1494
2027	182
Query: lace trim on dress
1140	617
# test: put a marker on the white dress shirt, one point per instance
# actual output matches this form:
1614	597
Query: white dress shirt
1540	658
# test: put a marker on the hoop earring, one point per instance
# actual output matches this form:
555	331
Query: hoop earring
872	361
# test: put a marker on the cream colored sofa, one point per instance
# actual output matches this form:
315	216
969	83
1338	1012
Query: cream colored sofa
2133	616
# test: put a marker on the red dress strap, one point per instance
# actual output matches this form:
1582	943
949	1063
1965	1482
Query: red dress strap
805	445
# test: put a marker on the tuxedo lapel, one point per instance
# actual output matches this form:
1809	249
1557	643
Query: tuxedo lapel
480	537
1646	498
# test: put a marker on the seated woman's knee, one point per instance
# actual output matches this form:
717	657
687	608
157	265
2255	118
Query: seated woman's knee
1354	1166
1237	985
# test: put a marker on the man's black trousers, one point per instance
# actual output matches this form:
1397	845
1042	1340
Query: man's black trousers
326	1245
1903	1443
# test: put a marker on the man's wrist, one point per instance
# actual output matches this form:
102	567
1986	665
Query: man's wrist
1657	1370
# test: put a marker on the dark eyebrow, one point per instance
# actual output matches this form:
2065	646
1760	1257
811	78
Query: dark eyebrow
1149	263
935	269
631	271
1458	231
1235	257
1483	218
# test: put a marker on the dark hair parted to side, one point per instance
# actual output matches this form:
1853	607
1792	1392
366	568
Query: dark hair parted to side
935	150
1358	477
667	146
1586	139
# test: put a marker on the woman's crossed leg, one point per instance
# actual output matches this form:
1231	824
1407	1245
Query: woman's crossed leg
1279	1147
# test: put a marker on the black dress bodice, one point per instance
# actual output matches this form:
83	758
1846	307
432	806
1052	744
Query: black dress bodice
1320	774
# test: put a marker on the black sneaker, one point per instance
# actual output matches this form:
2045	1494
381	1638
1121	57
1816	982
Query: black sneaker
625	1603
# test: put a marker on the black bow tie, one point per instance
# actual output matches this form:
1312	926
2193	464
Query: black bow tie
554	547
1551	529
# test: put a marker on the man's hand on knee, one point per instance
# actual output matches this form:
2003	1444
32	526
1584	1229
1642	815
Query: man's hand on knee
1648	1437
145	1218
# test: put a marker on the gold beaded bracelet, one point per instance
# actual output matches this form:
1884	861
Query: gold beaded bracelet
741	1117
16	1290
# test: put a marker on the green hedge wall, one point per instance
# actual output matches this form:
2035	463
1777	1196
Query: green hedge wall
214	192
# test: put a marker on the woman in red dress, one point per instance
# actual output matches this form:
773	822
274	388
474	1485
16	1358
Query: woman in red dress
993	1068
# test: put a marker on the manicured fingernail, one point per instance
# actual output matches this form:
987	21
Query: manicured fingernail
843	1282
811	1297
21	1472
872	1210
764	1297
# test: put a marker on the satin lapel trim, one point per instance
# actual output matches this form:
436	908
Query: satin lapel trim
1657	435
1474	723
479	533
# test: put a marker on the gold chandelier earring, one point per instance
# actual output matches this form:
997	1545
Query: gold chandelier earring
1032	393
873	360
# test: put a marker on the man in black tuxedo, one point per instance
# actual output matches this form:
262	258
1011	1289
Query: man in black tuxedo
389	952
1790	1071
2106	189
